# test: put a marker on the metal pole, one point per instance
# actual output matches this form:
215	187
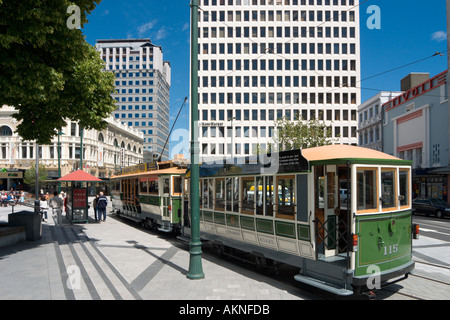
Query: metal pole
37	172
81	148
195	245
59	163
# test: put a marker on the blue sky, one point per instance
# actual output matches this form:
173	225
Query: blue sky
411	30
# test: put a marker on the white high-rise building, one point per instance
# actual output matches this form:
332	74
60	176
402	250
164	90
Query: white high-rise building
261	60
143	89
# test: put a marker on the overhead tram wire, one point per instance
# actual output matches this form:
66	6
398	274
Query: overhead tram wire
406	65
168	137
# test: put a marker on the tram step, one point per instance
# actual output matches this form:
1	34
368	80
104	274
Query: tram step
130	218
323	285
184	238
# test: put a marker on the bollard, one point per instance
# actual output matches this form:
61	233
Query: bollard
37	207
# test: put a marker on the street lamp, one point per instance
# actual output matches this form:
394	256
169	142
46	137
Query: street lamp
195	245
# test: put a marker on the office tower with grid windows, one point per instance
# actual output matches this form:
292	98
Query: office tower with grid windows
261	60
143	89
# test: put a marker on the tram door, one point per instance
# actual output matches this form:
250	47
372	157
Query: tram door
165	198
331	210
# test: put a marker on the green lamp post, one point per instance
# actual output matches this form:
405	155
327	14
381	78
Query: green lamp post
195	245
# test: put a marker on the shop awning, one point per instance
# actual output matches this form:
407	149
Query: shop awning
442	170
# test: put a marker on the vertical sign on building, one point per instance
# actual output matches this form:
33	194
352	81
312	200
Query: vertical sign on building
12	148
122	157
100	156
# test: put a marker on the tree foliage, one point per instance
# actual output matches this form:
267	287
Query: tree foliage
29	176
301	134
48	71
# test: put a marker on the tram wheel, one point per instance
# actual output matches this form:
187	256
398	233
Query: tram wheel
218	249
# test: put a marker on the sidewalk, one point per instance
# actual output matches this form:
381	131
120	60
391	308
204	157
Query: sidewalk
114	260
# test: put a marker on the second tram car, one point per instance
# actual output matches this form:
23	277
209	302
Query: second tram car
151	194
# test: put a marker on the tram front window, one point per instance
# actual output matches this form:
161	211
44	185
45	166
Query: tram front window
388	188
367	190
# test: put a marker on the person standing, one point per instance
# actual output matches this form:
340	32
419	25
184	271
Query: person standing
43	204
102	202
56	203
94	204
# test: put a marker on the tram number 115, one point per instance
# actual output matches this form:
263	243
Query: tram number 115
391	249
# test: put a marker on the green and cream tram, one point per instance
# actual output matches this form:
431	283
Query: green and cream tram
151	194
341	214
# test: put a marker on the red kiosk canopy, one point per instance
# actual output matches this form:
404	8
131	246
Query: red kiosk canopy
80	176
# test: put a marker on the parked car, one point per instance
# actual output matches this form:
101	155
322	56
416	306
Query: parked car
435	206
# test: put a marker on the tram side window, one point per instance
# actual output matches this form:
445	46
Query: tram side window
270	199
211	193
153	185
248	195
367	189
286	205
404	187
220	194
166	187
388	188
177	186
115	185
143	185
259	193
229	192
204	193
235	194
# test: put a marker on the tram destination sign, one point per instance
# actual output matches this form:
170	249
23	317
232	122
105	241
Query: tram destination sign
291	161
282	162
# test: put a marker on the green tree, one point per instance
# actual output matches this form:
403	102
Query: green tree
48	71
301	134
29	176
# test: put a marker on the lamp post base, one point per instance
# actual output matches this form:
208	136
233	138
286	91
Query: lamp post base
195	261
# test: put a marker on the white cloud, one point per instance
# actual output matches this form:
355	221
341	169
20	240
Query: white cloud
160	34
439	36
142	29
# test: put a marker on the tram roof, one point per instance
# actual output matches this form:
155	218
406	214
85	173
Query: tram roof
173	170
343	153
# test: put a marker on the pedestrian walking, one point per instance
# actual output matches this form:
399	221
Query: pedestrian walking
44	207
62	195
102	202
4	199
56	203
94	204
22	198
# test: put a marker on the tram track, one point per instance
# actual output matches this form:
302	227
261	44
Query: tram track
407	287
432	279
